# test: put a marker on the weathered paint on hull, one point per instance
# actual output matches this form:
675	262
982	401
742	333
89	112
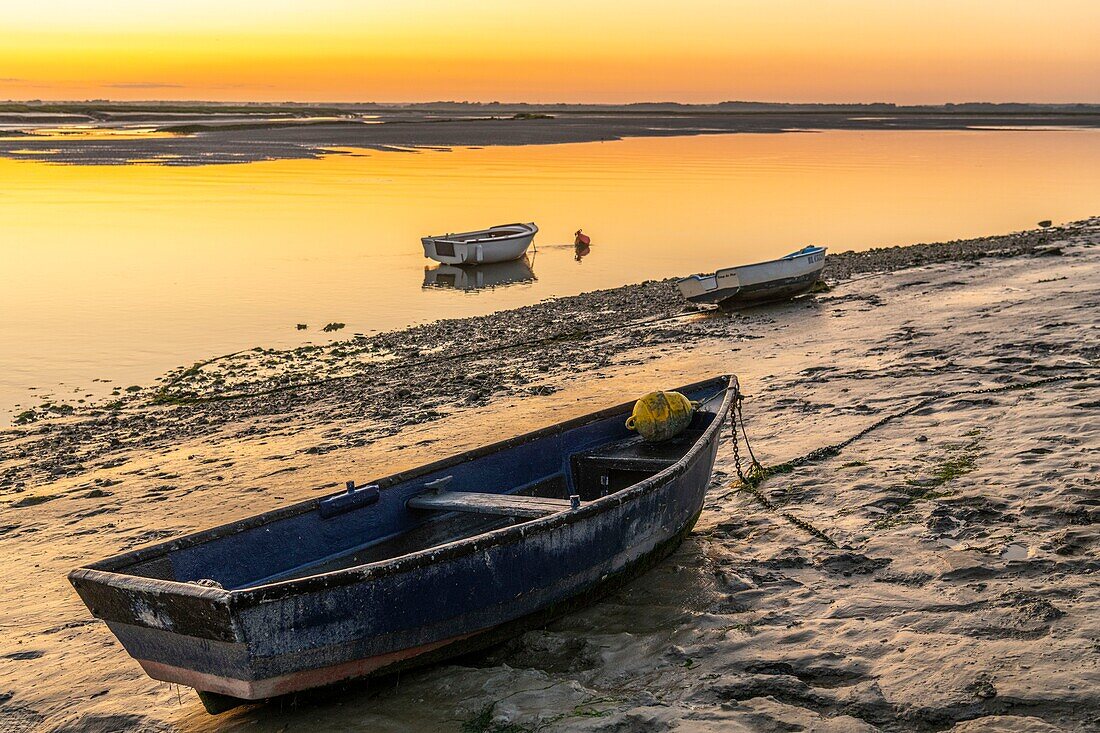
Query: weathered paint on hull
339	628
230	693
759	282
260	640
293	682
762	293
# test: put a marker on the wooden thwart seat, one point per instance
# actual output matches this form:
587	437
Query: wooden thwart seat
506	505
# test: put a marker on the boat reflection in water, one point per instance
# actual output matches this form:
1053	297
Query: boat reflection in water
476	277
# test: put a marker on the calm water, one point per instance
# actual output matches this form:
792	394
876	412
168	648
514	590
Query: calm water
120	273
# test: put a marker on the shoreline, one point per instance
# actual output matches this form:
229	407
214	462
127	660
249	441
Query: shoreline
625	303
962	594
229	138
250	375
514	354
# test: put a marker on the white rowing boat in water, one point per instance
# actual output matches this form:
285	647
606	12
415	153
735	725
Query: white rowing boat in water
501	243
773	280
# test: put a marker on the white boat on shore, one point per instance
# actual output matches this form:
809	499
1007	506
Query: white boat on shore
501	243
764	281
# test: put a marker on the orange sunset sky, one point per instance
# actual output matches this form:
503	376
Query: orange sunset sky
567	50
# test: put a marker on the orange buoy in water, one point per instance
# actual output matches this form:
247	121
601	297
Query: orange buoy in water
582	239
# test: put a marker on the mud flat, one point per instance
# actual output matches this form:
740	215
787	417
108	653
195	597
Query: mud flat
225	138
958	589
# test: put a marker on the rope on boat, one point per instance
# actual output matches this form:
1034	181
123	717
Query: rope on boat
749	479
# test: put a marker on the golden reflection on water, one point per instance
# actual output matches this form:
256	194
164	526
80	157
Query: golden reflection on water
120	272
96	132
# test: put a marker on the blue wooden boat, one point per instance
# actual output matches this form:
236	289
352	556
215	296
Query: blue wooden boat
414	567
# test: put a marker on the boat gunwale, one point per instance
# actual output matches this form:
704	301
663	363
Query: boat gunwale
107	571
787	258
525	230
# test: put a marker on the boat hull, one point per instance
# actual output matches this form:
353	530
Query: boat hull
768	292
753	284
341	633
229	692
260	642
469	249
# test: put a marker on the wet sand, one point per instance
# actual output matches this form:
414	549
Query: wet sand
218	141
961	593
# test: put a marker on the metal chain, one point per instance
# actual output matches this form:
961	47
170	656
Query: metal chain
749	481
737	415
741	418
828	451
736	444
796	521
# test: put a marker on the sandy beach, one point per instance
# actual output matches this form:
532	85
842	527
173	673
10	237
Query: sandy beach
957	590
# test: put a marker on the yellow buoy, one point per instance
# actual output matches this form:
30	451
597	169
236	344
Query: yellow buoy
661	415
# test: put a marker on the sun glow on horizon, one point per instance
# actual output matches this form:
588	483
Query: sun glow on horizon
572	51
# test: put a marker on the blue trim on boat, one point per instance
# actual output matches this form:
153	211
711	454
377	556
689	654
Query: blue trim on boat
257	636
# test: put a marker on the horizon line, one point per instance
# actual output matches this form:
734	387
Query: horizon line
407	103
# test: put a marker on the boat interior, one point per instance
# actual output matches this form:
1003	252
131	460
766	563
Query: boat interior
522	480
807	250
498	232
